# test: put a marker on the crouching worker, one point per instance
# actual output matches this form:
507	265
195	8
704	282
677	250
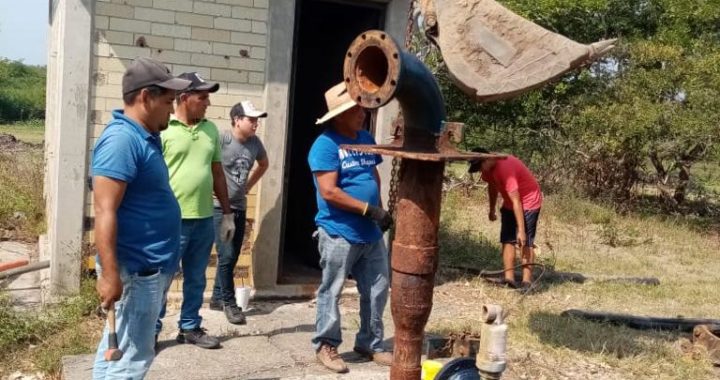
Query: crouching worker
522	200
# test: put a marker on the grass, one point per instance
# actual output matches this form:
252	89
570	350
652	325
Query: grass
36	341
579	236
31	132
708	175
22	205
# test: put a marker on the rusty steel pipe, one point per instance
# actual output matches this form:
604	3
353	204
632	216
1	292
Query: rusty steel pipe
414	262
376	71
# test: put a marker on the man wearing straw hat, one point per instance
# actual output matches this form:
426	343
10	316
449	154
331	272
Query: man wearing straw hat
350	222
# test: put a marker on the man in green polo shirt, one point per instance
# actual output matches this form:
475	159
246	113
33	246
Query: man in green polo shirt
191	148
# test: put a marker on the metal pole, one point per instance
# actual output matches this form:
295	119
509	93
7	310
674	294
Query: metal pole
376	71
414	261
28	268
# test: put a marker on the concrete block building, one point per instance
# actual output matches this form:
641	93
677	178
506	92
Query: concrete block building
280	54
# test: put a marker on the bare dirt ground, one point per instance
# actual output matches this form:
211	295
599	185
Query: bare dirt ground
9	143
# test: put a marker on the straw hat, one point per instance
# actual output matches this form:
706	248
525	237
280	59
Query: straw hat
338	101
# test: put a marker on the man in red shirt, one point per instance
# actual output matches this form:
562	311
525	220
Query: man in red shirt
522	200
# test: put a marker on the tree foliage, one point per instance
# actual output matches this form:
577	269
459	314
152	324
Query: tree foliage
644	113
22	91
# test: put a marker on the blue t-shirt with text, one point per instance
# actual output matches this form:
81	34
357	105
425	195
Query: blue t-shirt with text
148	218
355	177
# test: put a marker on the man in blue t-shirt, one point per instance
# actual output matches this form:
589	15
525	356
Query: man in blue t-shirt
137	219
350	222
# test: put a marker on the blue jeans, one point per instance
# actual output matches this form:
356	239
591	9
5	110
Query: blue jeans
135	316
228	253
368	264
196	239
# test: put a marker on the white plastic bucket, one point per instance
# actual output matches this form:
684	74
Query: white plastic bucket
242	296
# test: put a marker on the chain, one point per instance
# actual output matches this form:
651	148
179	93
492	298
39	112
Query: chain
395	171
392	191
396	162
410	25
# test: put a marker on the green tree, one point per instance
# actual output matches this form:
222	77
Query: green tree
648	111
22	91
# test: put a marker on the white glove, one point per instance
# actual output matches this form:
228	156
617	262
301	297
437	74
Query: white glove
227	227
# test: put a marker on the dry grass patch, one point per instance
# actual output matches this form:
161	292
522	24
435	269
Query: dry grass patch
22	205
579	236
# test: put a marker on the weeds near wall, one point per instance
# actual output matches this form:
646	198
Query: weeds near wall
22	206
37	340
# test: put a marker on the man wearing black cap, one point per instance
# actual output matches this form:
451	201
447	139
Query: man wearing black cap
522	200
191	147
137	218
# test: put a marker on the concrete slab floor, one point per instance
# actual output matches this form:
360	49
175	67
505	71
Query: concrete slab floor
24	289
275	344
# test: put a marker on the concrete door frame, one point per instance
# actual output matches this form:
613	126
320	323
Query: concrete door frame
69	73
281	36
66	147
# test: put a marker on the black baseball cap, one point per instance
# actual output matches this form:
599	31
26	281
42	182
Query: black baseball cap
475	164
198	83
146	72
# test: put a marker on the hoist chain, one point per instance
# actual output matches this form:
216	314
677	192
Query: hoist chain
396	162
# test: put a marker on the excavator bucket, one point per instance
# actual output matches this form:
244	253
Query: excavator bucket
494	54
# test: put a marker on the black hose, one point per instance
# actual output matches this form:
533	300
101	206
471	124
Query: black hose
640	322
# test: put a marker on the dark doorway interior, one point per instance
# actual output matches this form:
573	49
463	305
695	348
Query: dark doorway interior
324	30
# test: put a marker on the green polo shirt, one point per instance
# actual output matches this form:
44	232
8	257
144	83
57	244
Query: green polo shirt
189	153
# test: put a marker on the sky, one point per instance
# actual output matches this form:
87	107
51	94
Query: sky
23	30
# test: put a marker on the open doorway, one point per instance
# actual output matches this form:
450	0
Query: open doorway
324	30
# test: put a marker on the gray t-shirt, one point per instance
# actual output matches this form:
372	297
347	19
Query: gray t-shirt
237	161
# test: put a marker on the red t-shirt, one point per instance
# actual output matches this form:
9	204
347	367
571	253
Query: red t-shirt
510	175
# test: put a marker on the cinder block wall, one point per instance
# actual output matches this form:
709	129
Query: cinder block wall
223	40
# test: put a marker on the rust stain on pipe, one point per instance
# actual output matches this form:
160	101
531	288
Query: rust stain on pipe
414	261
12	264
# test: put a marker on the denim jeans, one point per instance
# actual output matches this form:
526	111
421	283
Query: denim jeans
368	264
228	253
196	239
135	316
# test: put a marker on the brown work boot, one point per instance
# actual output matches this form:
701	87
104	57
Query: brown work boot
329	357
380	358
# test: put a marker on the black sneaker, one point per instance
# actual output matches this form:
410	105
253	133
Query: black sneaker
198	337
235	315
216	305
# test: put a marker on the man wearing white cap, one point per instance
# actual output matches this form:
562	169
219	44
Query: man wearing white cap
351	222
241	148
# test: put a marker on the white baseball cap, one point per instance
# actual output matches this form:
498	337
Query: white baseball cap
246	108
